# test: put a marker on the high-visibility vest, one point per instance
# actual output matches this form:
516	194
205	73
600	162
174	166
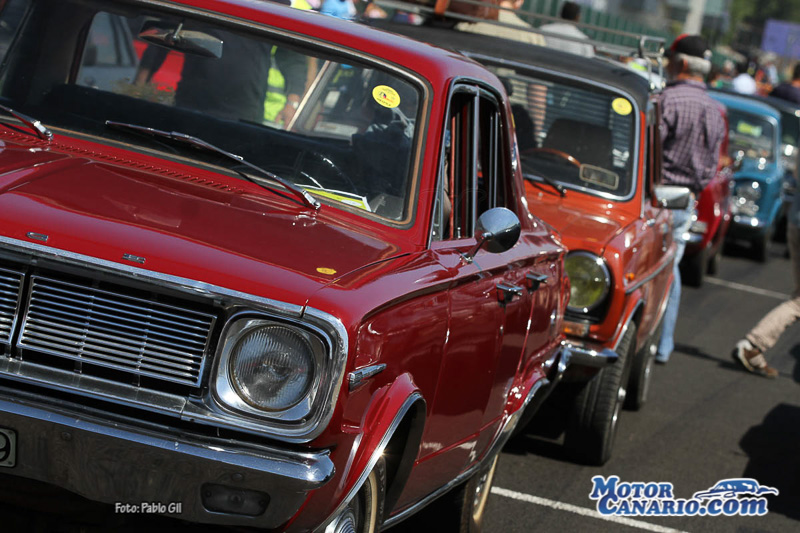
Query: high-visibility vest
275	99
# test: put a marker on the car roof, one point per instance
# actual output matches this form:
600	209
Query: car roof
428	61
784	106
745	103
614	75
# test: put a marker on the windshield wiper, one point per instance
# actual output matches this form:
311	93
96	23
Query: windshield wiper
551	182
304	196
40	129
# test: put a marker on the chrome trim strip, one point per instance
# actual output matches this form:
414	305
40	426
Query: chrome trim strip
185	285
652	275
362	478
357	378
12	325
584	356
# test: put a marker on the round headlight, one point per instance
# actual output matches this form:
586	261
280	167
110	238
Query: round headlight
272	367
589	281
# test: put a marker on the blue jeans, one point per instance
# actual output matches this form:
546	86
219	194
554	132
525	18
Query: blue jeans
681	220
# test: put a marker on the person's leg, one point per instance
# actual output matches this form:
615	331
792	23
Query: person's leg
750	350
769	329
681	220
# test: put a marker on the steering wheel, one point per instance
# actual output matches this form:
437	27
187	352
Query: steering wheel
554	152
341	176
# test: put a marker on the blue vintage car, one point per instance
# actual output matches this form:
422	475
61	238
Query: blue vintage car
755	137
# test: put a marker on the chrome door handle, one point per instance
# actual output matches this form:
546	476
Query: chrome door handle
534	280
506	292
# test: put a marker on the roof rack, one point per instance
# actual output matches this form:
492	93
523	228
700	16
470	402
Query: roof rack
648	48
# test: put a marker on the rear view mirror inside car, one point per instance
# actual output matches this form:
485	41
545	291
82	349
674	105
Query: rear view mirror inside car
599	176
186	41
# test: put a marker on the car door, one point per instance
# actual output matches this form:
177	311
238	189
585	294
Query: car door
657	234
489	304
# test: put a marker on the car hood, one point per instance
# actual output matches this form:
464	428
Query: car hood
587	226
240	238
750	169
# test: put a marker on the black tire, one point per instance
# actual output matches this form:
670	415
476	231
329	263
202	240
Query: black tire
761	246
693	269
364	513
642	372
713	261
592	426
462	509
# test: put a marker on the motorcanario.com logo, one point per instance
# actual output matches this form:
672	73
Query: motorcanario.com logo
729	497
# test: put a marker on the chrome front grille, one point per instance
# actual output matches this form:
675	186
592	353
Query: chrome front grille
138	336
10	287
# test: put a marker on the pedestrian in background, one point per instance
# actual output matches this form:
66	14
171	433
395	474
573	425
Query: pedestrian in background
789	90
571	13
744	83
692	130
750	350
507	19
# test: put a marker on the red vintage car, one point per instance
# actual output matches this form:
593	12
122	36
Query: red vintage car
706	235
587	131
324	322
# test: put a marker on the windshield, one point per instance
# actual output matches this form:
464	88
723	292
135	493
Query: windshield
790	128
338	127
751	136
580	136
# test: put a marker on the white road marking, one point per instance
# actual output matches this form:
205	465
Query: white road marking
747	288
582	511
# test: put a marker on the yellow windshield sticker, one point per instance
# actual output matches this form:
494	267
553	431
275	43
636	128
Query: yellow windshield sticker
326	271
621	106
748	129
386	96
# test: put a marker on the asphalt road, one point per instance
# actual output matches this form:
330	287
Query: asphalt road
706	420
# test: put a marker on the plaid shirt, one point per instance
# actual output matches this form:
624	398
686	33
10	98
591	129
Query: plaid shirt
692	129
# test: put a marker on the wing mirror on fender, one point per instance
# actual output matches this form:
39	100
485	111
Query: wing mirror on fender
497	229
673	196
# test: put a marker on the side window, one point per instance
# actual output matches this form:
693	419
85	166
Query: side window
491	169
11	14
473	170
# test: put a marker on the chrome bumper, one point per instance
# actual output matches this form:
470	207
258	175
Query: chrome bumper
119	464
749	222
588	356
693	238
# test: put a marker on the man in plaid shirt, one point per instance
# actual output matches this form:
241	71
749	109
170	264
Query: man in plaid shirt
692	129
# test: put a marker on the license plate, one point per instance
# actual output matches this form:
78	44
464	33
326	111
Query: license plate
8	448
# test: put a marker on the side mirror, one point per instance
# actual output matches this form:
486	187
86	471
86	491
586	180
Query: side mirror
497	229
672	196
186	41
